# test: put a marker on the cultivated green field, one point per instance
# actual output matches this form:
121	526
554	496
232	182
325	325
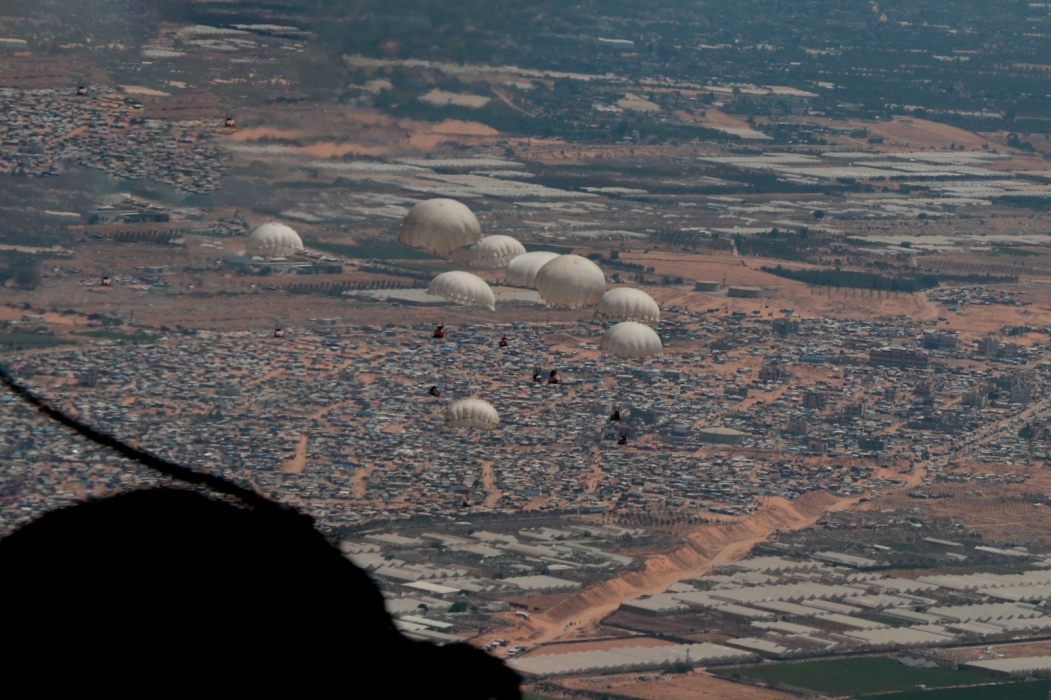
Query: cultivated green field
861	676
123	337
560	249
28	340
1030	690
1021	252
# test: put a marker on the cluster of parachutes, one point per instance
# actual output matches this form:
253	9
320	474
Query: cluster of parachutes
442	226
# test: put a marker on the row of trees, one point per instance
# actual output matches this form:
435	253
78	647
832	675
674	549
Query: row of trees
337	288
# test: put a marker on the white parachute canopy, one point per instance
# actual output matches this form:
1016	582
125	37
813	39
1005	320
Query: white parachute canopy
630	340
440	226
494	252
471	413
273	240
463	288
521	271
570	281
628	304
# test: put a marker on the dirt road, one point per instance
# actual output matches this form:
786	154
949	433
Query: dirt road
705	547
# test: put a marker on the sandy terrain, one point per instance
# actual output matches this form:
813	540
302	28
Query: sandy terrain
327	131
714	119
705	546
916	132
913	132
492	494
456	126
299	462
598	645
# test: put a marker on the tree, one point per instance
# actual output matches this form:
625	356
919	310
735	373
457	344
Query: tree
458	607
819	214
27	277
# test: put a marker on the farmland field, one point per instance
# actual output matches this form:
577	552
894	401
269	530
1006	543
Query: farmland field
560	249
123	337
28	340
860	676
1031	690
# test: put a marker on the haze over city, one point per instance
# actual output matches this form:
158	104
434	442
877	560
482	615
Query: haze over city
655	350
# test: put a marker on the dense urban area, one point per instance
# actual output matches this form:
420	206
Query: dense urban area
665	350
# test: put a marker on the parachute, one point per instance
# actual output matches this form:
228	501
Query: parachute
630	340
570	281
628	304
494	252
471	413
521	271
440	226
273	240
463	288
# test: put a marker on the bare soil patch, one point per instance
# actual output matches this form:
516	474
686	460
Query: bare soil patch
694	686
705	547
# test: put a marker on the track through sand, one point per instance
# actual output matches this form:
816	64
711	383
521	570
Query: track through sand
492	493
297	464
705	547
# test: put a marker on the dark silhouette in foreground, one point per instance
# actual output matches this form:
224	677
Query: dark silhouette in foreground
172	588
135	579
